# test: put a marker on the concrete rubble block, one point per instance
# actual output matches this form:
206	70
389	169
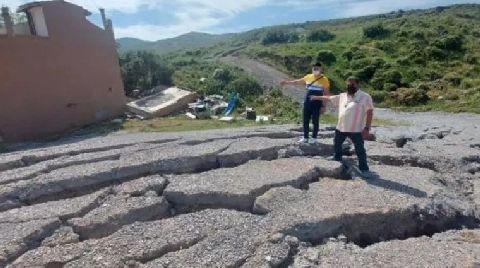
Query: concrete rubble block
330	207
17	238
62	209
62	236
116	212
243	150
146	241
238	187
141	186
449	249
169	101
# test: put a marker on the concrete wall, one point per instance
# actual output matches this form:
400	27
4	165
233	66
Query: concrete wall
66	80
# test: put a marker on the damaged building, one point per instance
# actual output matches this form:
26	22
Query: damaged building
58	71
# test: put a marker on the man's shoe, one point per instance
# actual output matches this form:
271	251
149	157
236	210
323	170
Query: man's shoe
312	141
303	140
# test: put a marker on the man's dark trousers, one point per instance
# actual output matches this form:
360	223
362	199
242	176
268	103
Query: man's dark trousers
359	144
311	111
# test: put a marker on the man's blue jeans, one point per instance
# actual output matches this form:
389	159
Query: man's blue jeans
359	144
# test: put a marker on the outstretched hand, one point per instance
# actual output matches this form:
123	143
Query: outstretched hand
284	82
365	133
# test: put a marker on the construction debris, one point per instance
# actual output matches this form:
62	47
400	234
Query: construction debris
169	101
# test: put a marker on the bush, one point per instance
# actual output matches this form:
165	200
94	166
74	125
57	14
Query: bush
326	56
450	43
222	75
279	37
320	36
410	96
435	53
366	73
348	55
379	96
247	87
376	31
453	78
275	104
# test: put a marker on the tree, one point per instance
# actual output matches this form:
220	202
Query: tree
143	70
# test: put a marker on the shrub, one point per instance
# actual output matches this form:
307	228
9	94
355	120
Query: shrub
410	96
376	31
320	36
450	43
222	75
379	96
453	78
366	73
435	53
326	56
348	55
247	87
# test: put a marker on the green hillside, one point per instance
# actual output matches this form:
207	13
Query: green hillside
191	40
420	59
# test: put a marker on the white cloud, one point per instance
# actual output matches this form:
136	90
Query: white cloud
208	15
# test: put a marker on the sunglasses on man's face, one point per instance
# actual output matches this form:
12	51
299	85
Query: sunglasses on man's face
316	68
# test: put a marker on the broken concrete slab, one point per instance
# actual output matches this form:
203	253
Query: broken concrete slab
225	248
450	249
246	149
62	209
17	238
116	212
145	241
171	100
141	186
62	236
166	159
329	207
239	187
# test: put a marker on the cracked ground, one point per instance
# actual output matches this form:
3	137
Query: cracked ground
245	198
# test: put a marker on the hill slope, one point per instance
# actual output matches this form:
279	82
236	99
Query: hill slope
426	59
191	40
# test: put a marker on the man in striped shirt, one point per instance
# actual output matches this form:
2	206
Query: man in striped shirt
355	113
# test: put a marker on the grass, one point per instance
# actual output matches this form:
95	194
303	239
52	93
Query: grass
181	123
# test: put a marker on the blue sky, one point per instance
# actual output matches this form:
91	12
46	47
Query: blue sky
160	19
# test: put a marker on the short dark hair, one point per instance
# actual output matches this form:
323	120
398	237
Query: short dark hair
353	78
317	64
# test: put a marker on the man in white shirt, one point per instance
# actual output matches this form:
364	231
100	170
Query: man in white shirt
355	113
